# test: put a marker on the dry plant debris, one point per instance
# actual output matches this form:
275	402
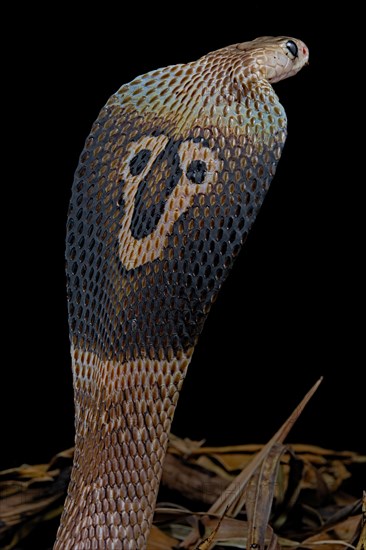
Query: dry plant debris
263	497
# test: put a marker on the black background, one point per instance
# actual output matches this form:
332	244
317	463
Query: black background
290	311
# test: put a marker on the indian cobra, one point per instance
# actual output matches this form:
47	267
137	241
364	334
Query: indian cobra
168	185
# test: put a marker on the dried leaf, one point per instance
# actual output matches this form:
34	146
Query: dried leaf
333	477
234	533
349	529
227	531
259	496
289	488
208	464
237	486
158	540
185	447
192	482
208	543
312	450
274	543
343	535
232	461
234	493
342	514
313	453
362	542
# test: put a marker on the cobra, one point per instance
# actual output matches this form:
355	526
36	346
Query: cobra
168	185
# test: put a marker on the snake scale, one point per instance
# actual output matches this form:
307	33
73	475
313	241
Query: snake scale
168	185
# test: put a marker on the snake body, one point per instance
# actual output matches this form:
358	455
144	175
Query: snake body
168	185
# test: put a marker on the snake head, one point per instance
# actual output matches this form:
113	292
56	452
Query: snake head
274	58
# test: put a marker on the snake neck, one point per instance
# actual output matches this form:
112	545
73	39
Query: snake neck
222	89
124	413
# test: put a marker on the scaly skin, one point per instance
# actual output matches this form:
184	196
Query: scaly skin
169	183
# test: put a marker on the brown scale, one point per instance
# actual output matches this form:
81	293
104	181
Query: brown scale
169	183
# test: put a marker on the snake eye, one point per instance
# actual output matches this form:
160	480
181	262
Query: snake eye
292	48
139	161
196	171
